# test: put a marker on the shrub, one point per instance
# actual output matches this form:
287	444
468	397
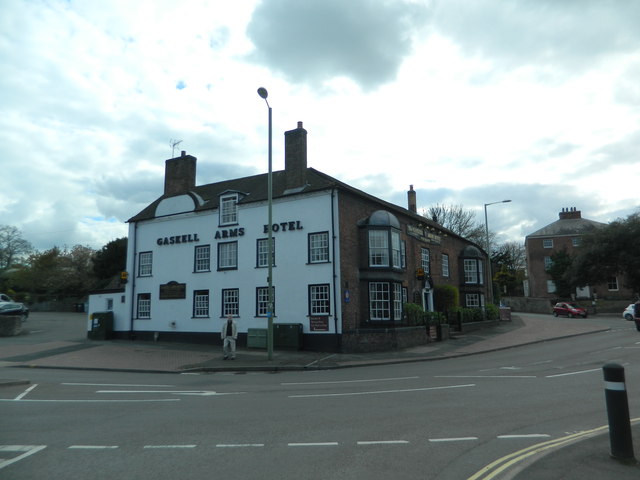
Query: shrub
446	298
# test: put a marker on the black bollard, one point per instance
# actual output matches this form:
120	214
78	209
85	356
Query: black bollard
615	392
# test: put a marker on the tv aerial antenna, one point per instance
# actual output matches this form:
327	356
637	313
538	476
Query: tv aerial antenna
174	144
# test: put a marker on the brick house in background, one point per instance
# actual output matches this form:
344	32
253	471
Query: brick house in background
564	234
344	262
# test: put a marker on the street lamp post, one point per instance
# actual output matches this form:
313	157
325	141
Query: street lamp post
486	228
264	94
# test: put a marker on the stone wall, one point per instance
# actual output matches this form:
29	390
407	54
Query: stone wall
379	340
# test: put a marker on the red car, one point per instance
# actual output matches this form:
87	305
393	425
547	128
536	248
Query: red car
569	309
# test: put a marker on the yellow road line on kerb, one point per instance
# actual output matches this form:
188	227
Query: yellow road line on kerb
499	466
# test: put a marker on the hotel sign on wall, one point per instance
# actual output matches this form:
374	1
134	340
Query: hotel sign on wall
319	324
424	235
173	291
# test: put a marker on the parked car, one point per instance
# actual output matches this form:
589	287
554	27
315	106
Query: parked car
569	309
628	312
9	307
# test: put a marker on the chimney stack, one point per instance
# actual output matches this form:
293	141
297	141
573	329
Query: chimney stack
179	174
295	157
569	213
411	194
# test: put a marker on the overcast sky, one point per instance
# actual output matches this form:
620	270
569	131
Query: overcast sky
471	102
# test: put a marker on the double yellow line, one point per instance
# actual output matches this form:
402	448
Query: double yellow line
497	467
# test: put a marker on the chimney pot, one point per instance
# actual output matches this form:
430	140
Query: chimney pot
180	174
295	157
411	200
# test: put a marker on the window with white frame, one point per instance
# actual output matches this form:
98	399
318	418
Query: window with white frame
319	301
551	286
425	258
230	302
548	263
262	301
319	247
202	262
395	249
229	209
145	262
385	301
445	265
144	305
378	248
201	303
262	253
397	301
576	241
472	300
612	284
547	243
470	270
379	301
228	256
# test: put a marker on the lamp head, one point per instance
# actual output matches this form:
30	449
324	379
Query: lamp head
263	92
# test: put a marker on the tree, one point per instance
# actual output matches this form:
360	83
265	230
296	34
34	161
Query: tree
559	270
460	221
12	246
509	260
56	272
609	251
111	259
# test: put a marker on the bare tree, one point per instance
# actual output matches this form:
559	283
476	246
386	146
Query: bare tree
12	246
459	220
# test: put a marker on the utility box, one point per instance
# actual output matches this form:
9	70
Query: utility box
257	338
101	326
287	336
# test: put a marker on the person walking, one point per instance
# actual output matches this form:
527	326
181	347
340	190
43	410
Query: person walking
229	335
636	314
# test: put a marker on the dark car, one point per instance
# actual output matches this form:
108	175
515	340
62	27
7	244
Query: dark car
569	309
9	307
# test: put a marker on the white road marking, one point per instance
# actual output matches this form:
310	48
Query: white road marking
381	391
531	435
91	401
350	381
93	447
205	393
27	449
454	439
239	445
384	442
116	385
318	444
23	394
169	446
485	376
574	373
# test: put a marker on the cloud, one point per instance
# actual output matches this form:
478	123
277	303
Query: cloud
312	42
569	36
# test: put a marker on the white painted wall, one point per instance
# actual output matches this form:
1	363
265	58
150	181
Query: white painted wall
291	275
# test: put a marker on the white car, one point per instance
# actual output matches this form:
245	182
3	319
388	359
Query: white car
628	313
9	307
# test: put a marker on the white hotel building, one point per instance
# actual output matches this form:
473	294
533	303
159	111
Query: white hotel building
345	262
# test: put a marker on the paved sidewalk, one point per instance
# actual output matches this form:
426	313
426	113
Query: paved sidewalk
127	355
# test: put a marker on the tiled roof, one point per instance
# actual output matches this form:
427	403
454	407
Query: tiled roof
566	227
254	189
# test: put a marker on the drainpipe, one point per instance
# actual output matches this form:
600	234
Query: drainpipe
333	264
133	279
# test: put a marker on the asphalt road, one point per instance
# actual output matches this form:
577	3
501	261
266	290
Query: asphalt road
434	420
